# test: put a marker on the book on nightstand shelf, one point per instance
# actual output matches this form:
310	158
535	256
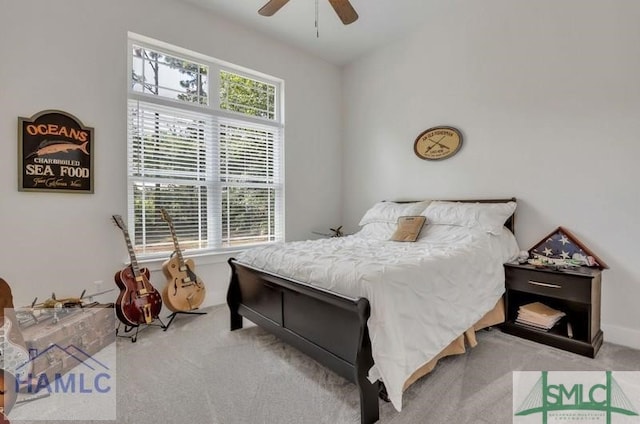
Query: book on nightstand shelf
539	316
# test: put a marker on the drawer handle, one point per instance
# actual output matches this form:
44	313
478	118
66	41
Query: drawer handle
538	283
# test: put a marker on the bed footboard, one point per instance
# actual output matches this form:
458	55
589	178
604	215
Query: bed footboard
330	328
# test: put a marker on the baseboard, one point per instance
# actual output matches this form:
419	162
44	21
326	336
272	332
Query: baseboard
621	335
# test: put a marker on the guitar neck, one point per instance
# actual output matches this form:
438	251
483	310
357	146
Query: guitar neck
132	255
176	246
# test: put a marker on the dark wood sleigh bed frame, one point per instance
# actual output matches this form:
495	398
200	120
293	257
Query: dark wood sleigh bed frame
328	327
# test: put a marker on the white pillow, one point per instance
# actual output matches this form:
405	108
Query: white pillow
378	230
489	217
390	211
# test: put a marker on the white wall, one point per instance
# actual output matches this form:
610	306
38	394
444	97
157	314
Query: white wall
72	55
547	96
546	93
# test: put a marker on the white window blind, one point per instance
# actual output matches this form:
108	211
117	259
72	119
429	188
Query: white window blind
215	168
251	186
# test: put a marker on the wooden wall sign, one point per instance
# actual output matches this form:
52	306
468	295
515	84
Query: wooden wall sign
438	143
55	153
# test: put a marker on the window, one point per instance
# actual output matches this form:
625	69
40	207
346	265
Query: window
205	143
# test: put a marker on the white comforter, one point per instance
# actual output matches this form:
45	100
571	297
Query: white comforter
423	295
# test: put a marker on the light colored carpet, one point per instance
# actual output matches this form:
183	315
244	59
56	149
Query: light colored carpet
200	372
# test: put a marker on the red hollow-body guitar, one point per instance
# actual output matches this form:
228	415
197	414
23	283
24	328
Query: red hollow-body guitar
138	302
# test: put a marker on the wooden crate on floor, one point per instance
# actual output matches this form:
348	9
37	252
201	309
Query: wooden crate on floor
57	347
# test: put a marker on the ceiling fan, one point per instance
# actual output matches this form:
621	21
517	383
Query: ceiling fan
343	8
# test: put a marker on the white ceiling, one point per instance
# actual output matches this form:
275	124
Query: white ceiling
379	22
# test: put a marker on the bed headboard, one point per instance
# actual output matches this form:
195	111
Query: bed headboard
510	222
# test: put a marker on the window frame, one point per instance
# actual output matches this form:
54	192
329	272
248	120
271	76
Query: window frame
212	109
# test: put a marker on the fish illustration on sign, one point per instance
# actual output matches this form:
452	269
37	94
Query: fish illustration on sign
58	146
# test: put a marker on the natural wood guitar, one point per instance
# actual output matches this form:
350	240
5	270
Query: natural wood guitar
184	290
14	356
138	302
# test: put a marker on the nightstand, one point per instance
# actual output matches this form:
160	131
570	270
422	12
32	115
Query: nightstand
576	292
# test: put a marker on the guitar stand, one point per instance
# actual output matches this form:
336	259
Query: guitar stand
173	316
130	328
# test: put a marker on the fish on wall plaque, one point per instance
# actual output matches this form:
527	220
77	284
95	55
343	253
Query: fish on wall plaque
55	153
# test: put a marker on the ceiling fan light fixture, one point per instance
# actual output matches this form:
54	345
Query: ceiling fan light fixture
272	7
343	9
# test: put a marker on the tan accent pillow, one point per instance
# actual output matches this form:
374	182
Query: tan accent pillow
408	228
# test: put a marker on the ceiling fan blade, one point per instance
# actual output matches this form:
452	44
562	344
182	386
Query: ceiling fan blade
345	11
272	7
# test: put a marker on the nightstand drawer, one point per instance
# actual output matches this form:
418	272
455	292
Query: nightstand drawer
557	285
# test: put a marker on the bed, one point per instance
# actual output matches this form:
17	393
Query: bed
381	313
